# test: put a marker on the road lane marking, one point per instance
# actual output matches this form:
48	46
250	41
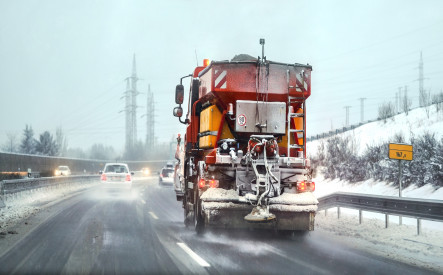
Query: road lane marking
153	215
143	201
193	255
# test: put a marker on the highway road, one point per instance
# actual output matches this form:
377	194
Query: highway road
115	230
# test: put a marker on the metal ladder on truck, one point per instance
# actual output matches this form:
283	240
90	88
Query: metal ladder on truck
293	114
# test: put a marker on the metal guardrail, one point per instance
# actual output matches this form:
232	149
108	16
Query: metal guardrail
403	207
18	185
406	207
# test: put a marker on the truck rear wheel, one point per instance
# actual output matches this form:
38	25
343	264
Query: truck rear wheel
199	224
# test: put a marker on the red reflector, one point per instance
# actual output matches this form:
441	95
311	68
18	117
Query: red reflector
128	177
301	186
213	183
103	178
202	183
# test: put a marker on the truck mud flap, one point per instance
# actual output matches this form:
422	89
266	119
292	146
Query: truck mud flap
231	215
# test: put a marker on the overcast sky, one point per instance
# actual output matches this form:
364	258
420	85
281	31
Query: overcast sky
63	63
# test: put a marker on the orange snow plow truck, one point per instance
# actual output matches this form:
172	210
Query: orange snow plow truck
243	162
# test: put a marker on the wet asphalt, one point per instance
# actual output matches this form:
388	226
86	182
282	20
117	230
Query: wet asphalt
140	231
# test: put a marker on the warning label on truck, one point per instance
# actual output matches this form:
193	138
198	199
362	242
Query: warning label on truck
241	120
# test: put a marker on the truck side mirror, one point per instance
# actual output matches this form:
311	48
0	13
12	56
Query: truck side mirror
179	93
178	112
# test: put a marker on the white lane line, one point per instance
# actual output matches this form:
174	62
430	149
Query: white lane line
193	255
143	201
153	215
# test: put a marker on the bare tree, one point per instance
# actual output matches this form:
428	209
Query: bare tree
385	111
406	104
426	100
61	141
11	143
437	100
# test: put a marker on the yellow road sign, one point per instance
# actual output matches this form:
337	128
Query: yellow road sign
400	151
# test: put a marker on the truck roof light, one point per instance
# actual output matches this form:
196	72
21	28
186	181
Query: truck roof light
206	62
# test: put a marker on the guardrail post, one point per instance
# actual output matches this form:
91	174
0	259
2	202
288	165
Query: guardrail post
360	216
386	220
400	220
338	212
326	212
418	226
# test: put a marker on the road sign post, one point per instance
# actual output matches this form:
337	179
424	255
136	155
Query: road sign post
400	152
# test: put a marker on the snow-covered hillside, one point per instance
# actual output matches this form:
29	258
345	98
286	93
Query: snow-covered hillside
415	123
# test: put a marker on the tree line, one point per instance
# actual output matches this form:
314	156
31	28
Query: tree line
49	145
338	155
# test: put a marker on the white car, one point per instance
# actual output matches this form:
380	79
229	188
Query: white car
166	175
116	173
62	170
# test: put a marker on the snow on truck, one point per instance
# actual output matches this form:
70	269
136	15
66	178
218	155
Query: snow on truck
243	162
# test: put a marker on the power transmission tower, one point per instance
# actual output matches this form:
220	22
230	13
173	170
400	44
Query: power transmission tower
362	108
347	115
131	109
150	121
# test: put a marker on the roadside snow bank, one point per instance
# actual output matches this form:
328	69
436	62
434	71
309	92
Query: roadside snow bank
325	187
398	242
22	205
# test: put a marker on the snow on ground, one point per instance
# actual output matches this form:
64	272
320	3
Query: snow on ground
415	123
399	242
22	205
325	187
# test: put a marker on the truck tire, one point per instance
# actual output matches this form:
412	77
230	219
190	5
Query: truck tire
199	224
188	217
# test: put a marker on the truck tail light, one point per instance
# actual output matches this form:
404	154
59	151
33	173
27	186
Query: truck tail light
312	186
201	183
301	186
213	183
103	177
128	177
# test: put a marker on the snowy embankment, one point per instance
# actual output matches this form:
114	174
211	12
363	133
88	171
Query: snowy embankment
416	123
22	205
400	242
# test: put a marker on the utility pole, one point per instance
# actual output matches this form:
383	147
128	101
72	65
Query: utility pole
421	91
400	100
406	101
347	115
362	108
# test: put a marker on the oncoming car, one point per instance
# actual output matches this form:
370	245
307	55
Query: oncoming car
116	173
145	171
62	170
